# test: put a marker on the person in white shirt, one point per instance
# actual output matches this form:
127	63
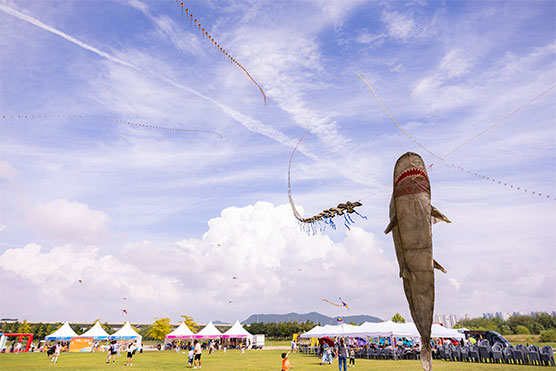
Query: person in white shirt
197	357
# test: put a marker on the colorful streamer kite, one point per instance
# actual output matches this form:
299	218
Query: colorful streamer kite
204	33
129	123
341	305
339	321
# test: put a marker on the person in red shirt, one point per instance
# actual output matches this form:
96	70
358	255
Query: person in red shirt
286	366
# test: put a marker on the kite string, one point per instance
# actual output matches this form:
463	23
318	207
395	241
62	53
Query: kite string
473	138
499	121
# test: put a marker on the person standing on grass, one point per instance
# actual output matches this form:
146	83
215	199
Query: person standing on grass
130	352
197	357
342	353
352	356
190	355
56	353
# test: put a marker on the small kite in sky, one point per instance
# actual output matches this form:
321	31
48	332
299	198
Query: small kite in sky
234	277
80	281
343	304
218	245
339	320
229	302
125	311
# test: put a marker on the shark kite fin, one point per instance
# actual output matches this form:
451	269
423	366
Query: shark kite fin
439	267
393	222
437	215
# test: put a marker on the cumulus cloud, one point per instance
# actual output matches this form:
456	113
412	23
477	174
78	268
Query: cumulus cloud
55	276
68	220
260	244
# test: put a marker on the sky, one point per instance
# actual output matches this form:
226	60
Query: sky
159	222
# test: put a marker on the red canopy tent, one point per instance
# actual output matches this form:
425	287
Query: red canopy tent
20	338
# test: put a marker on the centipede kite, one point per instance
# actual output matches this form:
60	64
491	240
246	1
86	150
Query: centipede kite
326	215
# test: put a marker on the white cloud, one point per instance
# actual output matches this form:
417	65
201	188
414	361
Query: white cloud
7	171
68	221
260	244
365	37
400	26
55	275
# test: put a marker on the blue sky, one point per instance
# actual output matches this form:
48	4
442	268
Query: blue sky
170	217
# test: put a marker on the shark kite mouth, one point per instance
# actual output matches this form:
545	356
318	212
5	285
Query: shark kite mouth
411	172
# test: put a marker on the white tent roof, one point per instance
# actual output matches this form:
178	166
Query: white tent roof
181	332
312	333
63	333
236	331
209	332
387	328
439	331
96	332
126	332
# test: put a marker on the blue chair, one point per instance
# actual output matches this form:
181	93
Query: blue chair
484	351
520	354
456	353
547	356
474	353
465	353
497	353
508	353
533	352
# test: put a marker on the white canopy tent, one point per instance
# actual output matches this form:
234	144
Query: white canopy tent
181	332
236	331
380	329
126	333
312	333
96	332
63	333
439	331
209	332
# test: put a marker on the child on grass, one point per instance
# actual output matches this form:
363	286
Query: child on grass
190	356
286	366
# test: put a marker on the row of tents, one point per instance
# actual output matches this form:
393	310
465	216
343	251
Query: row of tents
96	332
380	329
127	332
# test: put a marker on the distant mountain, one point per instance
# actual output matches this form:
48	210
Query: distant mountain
314	317
220	323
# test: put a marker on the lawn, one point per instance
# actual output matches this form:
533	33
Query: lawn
260	360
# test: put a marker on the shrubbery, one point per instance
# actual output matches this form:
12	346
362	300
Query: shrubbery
548	336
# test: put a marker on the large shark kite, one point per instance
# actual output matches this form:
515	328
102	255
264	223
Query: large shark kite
411	217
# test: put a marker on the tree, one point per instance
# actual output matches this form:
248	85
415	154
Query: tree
24	327
398	318
160	328
189	322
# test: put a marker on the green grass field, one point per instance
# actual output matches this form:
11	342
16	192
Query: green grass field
260	360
